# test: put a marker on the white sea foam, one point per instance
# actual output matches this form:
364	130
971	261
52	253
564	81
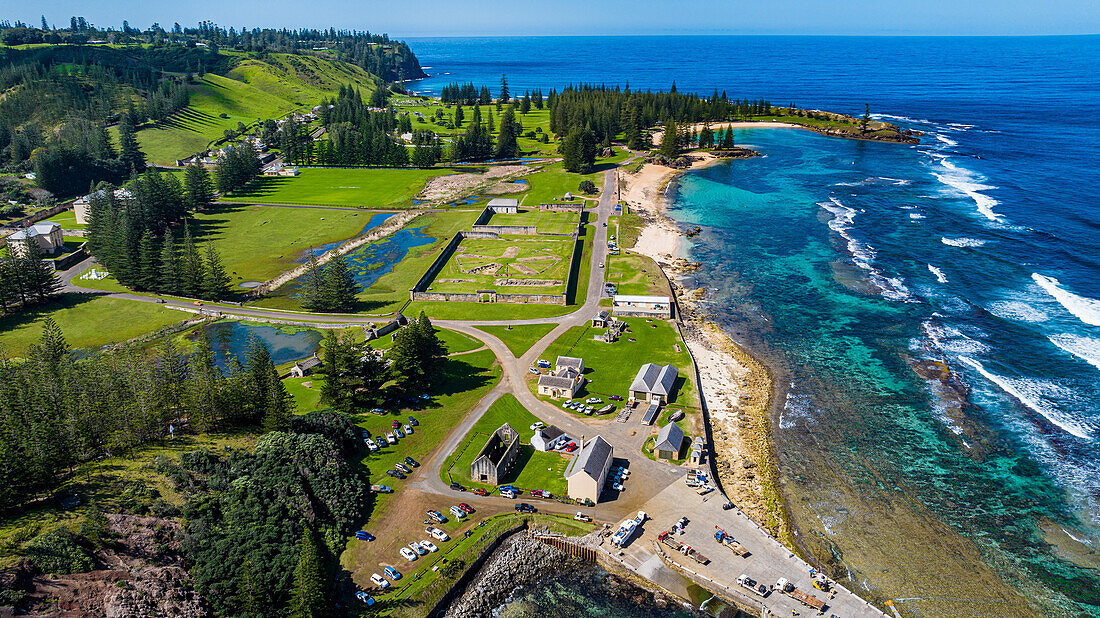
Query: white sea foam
1084	348
1031	394
863	254
1017	310
951	340
1082	307
942	278
900	118
916	215
897	182
946	140
796	408
962	242
966	182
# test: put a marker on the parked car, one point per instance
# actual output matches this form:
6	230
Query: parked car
402	467
409	554
437	517
366	434
593	400
727	506
437	534
365	598
392	573
379	581
540	493
537	425
458	513
523	507
533	370
428	545
569	448
457	487
412	462
377	411
481	492
394	473
395	424
567	405
425	397
511	487
465	507
397	432
371	445
508	493
418	548
363	535
581	517
413	421
616	398
382	489
408	429
390	439
545	364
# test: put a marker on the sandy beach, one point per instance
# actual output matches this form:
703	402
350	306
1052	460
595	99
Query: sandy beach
736	386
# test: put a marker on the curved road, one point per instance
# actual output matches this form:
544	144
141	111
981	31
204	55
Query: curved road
651	485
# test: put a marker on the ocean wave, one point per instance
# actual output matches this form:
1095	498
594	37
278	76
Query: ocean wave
916	215
797	407
966	182
946	140
952	341
900	118
1030	393
962	242
1084	348
1017	310
863	254
1082	307
942	278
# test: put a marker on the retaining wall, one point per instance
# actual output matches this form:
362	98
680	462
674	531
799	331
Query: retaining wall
520	230
561	207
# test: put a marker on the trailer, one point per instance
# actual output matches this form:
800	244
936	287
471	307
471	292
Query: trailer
668	538
726	540
757	588
785	586
626	529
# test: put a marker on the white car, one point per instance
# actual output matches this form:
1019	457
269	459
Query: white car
537	426
390	438
409	554
418	548
428	545
408	429
439	535
379	581
371	445
458	513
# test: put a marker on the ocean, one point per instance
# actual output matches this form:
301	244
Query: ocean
932	311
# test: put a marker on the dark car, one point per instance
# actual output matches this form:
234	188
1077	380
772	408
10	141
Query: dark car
727	506
616	398
413	421
395	474
523	507
457	487
366	434
412	462
396	424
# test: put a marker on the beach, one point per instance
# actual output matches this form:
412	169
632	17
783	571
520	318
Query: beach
736	386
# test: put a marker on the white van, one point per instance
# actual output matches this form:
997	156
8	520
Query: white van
458	513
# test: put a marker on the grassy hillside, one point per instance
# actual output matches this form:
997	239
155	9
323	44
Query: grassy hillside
254	89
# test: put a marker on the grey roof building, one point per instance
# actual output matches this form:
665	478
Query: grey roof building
669	442
497	456
654	383
576	364
548	438
587	472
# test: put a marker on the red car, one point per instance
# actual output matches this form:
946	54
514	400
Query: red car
572	446
396	424
481	492
465	507
616	398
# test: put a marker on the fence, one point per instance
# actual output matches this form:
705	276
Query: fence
573	549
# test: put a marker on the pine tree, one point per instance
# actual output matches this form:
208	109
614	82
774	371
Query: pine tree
198	187
505	96
191	267
459	116
670	142
525	104
215	281
507	146
249	601
706	137
866	117
727	138
148	270
307	597
38	276
313	285
52	346
130	154
169	275
417	353
340	287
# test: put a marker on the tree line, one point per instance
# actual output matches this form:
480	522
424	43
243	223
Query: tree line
58	409
25	278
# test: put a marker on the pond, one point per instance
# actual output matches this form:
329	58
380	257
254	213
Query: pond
285	344
374	222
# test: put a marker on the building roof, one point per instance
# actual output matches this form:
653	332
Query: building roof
550	433
627	298
40	228
670	438
553	381
503	201
308	363
570	361
654	379
591	459
604	315
497	444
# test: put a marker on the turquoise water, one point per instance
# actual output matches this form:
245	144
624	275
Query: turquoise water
230	340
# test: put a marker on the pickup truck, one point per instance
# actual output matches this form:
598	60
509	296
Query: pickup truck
382	489
785	586
581	517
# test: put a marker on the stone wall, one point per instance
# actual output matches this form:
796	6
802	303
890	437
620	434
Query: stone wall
561	207
480	235
433	270
520	230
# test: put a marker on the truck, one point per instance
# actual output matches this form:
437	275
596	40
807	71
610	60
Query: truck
668	537
757	588
726	540
785	586
382	489
581	517
627	528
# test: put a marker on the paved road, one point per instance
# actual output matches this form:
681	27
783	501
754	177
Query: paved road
653	486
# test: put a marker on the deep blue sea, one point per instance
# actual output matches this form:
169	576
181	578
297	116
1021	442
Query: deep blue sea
933	311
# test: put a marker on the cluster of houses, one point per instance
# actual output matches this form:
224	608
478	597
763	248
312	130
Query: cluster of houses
565	381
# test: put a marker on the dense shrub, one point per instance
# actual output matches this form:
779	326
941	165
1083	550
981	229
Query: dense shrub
59	552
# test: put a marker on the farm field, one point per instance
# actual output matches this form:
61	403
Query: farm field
356	187
530	264
531	470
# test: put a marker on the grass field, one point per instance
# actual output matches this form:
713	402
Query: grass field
483	264
635	274
519	338
67	220
531	121
259	242
362	188
110	484
610	368
546	222
531	470
466	380
87	321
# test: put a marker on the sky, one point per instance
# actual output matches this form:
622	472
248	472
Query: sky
588	17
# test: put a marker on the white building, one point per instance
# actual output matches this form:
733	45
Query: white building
587	473
548	439
504	205
642	306
46	234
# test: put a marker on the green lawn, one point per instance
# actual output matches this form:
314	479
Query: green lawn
364	188
635	274
548	222
466	380
531	121
532	469
67	220
514	258
306	398
628	227
610	368
552	182
87	321
257	243
519	338
192	129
